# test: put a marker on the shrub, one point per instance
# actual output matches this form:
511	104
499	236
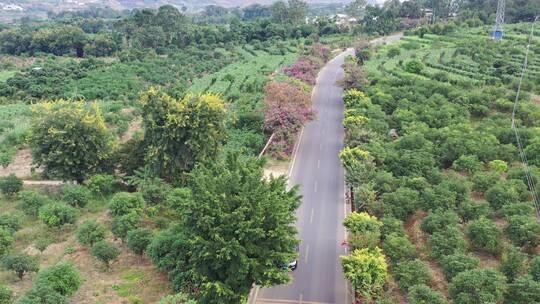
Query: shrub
411	273
472	210
457	263
364	230
42	294
10	221
484	180
414	66
398	248
178	298
525	208
501	194
498	165
10	185
403	202
393	52
523	290
58	214
125	223
366	269
446	242
76	195
6	295
6	240
513	262
20	263
523	230
467	163
41	244
105	252
154	191
477	286
485	235
535	268
439	220
123	203
101	184
91	232
62	278
391	225
421	294
139	239
31	201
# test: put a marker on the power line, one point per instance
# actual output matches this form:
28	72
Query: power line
522	155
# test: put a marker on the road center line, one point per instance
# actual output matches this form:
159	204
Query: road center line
320	146
315	187
307	254
301	298
318	164
311	216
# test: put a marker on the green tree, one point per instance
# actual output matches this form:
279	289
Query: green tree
446	242
364	230
105	252
70	140
414	66
457	263
139	239
535	268
62	278
477	286
235	231
421	294
513	262
410	273
42	294
366	269
485	235
10	185
57	214
523	230
42	243
91	232
501	194
179	133
523	290
439	220
20	263
178	298
123	203
6	295
6	240
76	195
356	8
398	248
10	221
124	224
31	201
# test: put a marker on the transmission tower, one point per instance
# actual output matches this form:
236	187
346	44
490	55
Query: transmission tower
453	8
499	21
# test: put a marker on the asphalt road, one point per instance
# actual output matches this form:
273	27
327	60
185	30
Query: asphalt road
316	167
318	171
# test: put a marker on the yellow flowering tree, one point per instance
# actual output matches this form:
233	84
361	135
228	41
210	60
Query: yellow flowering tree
366	269
70	140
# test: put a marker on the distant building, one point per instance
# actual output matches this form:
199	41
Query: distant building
10	7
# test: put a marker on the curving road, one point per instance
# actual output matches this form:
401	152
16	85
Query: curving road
317	168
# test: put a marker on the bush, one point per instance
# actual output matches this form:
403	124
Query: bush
391	225
6	240
102	184
123	203
31	201
523	290
501	194
42	243
125	223
139	239
105	252
20	263
76	196
525	208
62	278
477	286
364	230
10	185
421	294
91	232
403	202
472	210
485	235
11	222
398	248
457	263
499	166
439	220
393	52
414	66
446	242
484	180
411	273
154	191
513	262
523	230
6	295
535	268
178	298
366	269
467	163
58	214
42	294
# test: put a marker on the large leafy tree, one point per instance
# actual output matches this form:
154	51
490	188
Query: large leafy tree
366	269
235	229
179	133
70	140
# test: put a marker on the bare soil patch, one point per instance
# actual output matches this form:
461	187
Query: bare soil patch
134	126
21	165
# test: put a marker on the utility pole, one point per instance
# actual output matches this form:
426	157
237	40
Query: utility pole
499	21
